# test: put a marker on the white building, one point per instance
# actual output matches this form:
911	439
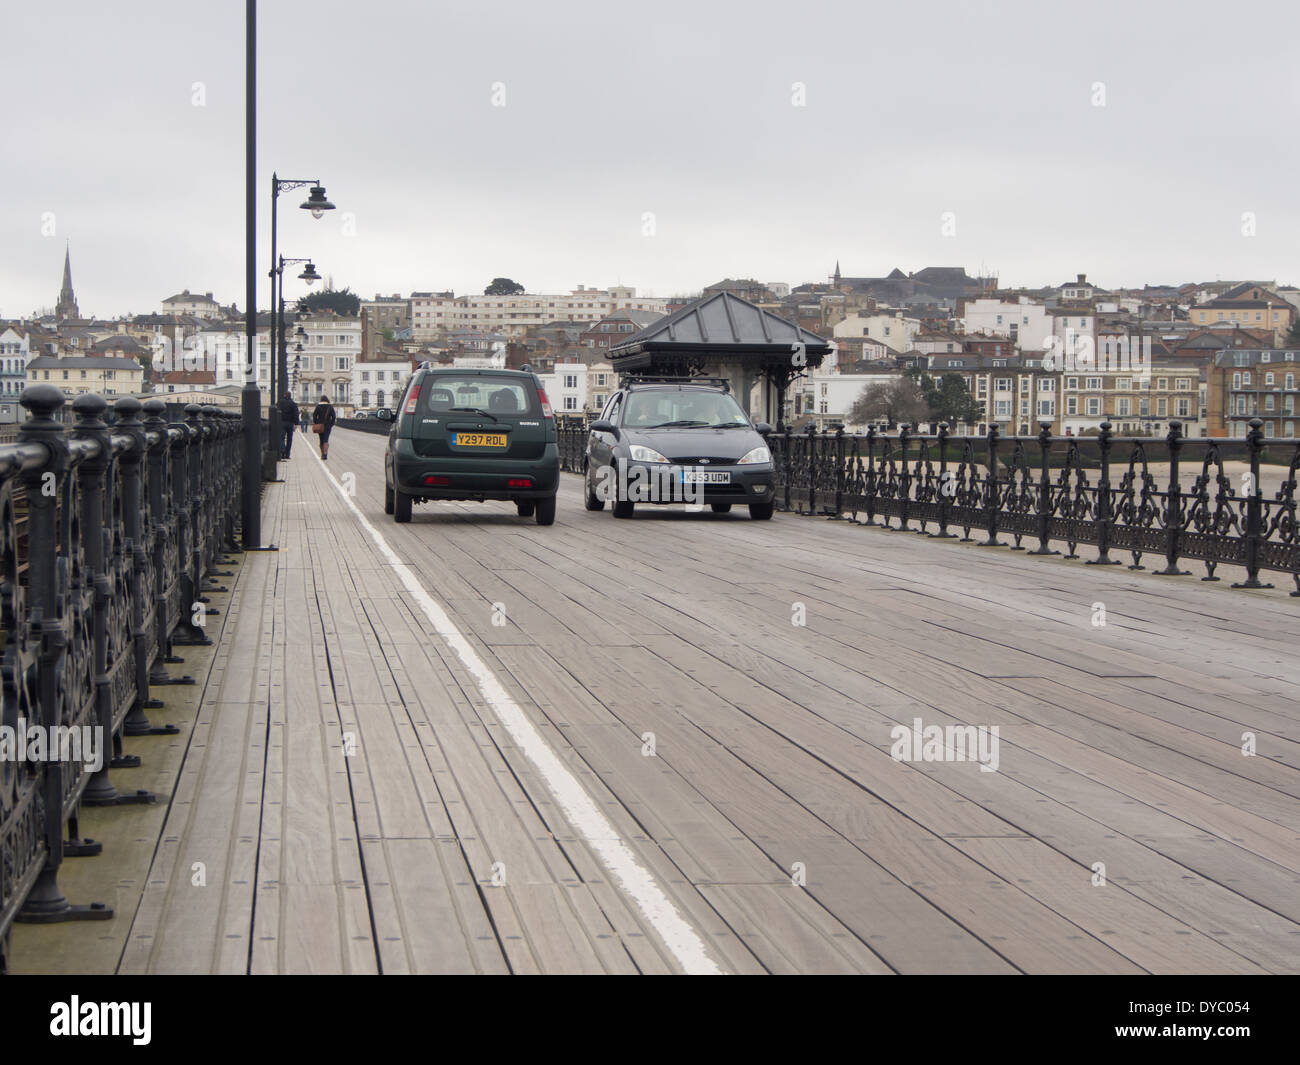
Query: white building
894	330
15	354
378	383
330	349
187	302
436	312
575	387
1029	324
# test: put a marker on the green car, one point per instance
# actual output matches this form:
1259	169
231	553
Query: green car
472	434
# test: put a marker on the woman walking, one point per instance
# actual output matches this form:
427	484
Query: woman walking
322	421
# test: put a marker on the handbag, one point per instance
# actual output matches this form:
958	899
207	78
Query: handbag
317	427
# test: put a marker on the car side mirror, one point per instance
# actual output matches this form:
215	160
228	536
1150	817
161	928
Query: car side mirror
385	415
762	428
603	426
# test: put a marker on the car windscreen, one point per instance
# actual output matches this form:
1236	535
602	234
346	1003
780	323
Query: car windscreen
681	408
502	397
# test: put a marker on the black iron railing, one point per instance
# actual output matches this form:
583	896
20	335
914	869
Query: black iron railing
1068	490
571	432
108	534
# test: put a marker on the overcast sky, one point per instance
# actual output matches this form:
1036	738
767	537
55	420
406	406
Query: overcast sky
656	146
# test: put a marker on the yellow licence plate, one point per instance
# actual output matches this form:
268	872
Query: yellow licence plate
478	439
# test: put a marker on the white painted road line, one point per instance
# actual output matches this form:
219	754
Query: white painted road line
579	807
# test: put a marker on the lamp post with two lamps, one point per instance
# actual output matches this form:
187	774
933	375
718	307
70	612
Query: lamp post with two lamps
317	203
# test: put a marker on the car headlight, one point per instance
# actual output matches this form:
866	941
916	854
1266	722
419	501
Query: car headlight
759	454
646	454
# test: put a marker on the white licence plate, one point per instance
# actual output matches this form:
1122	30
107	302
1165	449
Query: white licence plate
706	477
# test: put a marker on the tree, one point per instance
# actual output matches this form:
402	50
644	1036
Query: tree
1293	334
897	401
950	399
343	302
503	286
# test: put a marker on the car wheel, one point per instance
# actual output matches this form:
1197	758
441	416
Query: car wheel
524	507
760	511
592	500
546	511
623	508
388	498
401	508
721	508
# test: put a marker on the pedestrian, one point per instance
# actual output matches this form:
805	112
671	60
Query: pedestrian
322	421
288	421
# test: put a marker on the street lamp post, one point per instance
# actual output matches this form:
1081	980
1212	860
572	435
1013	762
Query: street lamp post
279	349
317	204
250	408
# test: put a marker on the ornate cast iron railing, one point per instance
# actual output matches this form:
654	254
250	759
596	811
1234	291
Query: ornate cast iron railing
571	438
109	535
1069	490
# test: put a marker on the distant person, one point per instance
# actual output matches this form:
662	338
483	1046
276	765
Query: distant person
288	421
322	421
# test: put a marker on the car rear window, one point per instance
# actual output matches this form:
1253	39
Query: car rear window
501	396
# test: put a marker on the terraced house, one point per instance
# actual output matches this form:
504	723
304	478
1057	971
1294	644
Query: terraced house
107	375
1255	384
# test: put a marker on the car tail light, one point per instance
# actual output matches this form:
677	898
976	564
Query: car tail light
546	404
437	481
412	398
520	482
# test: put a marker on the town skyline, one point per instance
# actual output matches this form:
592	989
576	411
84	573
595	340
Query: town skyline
756	151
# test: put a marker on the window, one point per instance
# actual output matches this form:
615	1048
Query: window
1046	384
1092	384
1236	380
1024	384
1183	384
1002	384
1268	378
365	377
1047	408
1245	378
1162	383
1002	408
1094	406
1184	408
570	380
1290	381
1071	384
1268	401
1124	384
570	402
341	362
1122	409
1162	407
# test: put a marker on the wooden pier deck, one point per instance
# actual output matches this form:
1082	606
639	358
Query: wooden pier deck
367	789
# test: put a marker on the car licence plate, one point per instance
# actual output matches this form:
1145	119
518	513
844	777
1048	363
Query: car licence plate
706	477
478	439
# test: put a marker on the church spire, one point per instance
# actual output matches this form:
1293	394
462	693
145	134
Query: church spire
835	278
67	305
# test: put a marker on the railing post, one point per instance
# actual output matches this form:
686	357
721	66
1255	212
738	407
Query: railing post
46	904
947	489
786	463
871	489
839	472
1173	506
812	467
1254	509
139	543
1044	491
904	479
992	496
91	475
1105	516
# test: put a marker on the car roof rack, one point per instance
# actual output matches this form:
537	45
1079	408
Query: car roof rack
629	380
